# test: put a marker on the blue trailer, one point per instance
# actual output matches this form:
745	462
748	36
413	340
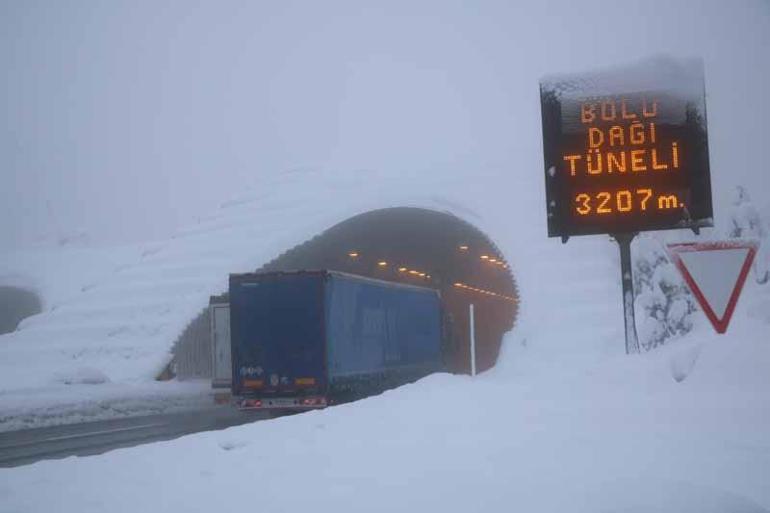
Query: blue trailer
308	339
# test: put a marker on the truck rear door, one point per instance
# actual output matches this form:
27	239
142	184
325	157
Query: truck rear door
277	330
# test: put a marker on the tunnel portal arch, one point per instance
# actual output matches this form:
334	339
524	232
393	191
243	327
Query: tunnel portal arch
16	304
410	245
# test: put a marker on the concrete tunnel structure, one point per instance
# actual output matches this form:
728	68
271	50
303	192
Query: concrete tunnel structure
402	244
16	304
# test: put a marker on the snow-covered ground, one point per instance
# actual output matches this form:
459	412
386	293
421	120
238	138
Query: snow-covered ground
444	102
86	402
683	429
564	422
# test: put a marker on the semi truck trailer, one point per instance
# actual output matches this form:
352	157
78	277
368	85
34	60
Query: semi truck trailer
308	339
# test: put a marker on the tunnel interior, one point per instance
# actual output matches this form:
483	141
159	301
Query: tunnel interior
428	248
408	245
16	304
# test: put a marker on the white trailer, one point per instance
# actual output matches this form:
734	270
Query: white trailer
221	361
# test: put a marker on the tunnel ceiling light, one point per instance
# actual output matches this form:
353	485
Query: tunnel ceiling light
484	257
353	254
463	248
493	260
402	269
485	292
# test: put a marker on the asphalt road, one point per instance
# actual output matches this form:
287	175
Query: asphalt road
30	445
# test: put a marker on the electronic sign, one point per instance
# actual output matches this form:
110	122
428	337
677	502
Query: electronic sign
626	149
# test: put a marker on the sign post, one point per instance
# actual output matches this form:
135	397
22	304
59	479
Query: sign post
627	279
473	340
625	151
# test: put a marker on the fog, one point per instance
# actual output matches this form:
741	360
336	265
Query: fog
124	120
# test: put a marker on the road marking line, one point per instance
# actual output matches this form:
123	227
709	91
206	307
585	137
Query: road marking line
85	435
104	432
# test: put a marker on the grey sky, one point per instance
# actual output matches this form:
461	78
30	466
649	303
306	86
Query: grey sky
127	119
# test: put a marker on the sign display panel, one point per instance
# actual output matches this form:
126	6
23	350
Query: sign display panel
626	150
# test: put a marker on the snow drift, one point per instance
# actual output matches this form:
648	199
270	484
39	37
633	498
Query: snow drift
681	429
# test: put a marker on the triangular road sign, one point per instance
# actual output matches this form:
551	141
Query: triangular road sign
715	273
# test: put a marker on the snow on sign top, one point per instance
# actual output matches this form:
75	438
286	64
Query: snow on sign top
626	149
715	273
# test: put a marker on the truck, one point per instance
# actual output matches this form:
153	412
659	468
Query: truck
309	339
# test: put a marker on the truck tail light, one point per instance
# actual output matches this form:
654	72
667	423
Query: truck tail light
251	403
314	401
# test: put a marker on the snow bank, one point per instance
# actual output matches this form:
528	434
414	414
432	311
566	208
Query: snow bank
85	399
565	422
681	429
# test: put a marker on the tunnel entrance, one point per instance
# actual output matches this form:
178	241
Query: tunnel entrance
410	245
16	304
428	248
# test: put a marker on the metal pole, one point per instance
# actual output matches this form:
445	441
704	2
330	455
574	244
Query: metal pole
473	342
624	242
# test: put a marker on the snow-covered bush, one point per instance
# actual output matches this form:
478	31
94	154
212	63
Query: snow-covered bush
663	303
744	221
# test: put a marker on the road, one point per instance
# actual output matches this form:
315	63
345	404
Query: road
30	445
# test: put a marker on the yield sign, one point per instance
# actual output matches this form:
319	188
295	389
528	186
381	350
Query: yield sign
715	273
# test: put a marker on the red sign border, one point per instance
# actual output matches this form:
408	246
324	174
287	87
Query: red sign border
674	251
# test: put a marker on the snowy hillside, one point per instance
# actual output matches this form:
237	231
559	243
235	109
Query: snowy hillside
123	326
150	149
60	273
564	422
681	429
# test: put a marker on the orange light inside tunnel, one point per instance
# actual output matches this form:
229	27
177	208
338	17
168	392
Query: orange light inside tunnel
382	263
463	248
484	257
402	269
485	292
353	254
